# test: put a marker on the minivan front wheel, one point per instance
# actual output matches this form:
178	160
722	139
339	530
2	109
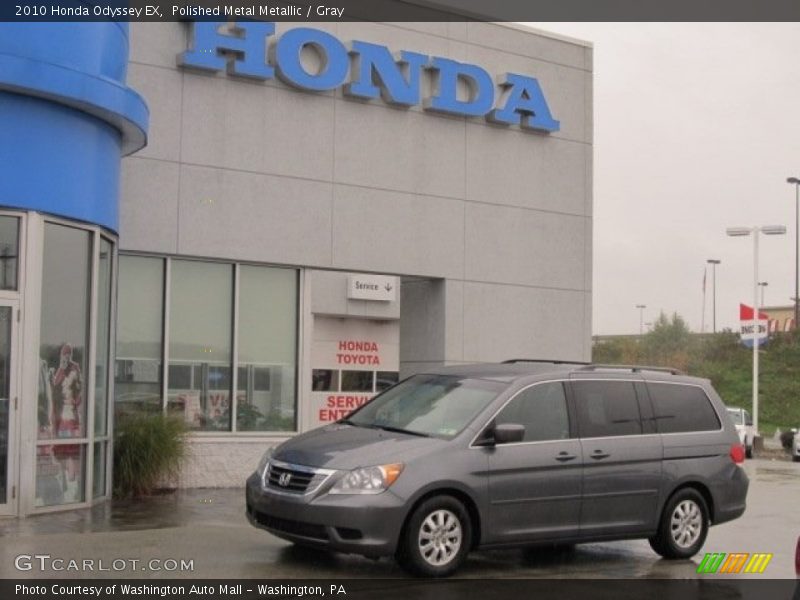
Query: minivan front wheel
683	527
436	538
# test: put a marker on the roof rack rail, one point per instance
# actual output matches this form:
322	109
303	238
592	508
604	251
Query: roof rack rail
632	368
511	361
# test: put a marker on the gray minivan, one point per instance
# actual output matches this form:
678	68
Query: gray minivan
520	453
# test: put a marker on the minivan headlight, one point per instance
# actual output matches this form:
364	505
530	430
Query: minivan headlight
368	480
262	464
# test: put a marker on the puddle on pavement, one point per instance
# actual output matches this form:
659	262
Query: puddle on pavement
162	511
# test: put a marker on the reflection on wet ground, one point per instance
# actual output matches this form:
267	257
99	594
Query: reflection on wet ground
777	471
172	509
209	526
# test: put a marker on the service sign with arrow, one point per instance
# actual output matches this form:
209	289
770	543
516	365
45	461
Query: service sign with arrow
382	288
746	329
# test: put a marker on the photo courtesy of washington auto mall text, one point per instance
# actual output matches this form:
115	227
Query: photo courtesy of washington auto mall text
74	590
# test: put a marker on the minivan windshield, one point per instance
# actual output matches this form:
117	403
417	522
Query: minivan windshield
427	405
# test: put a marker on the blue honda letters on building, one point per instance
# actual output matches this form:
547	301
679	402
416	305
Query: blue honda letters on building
243	51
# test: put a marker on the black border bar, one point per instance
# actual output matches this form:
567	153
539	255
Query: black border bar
405	10
708	588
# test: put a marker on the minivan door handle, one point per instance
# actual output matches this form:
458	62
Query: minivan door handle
599	454
565	456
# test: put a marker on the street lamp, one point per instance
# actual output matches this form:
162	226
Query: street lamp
714	262
762	285
796	182
641	308
754	231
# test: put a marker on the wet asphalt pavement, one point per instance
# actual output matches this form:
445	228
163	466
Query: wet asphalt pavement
208	527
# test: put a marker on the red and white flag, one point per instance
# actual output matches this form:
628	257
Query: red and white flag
747	332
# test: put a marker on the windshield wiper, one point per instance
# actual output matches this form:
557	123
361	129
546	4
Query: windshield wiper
384	427
354	424
400	430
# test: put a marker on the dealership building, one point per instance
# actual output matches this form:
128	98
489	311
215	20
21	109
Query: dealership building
255	227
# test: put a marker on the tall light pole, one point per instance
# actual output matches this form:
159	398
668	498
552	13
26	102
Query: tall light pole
714	262
641	308
796	182
755	231
763	285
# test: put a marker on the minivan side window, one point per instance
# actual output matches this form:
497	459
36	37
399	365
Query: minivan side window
541	409
606	408
682	408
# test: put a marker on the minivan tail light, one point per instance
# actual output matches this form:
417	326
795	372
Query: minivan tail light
797	558
737	453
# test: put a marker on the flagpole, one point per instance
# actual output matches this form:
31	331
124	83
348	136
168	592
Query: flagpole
703	315
755	330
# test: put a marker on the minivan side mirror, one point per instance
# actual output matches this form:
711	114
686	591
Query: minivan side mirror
507	433
500	434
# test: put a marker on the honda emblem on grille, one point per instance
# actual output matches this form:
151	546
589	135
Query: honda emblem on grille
284	479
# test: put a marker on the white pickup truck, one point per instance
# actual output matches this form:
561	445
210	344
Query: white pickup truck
744	427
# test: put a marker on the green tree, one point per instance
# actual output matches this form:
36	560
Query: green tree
669	343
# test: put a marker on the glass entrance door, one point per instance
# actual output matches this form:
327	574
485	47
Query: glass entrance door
8	410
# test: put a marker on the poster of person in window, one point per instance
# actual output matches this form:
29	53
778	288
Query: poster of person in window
59	468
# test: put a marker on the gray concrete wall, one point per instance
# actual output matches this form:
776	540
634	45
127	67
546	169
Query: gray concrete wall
490	227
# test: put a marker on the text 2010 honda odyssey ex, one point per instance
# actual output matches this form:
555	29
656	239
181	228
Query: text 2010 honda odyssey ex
512	454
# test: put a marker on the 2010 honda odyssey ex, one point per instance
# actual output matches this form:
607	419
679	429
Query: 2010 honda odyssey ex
489	456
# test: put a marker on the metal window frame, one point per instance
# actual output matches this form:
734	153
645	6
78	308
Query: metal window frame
233	432
31	254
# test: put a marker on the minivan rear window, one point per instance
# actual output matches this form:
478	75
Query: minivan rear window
682	408
434	405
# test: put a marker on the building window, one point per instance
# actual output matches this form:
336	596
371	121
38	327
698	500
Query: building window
139	335
267	349
200	345
6	320
229	327
9	252
385	379
103	337
357	381
325	380
63	358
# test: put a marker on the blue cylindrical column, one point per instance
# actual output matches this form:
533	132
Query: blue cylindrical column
66	118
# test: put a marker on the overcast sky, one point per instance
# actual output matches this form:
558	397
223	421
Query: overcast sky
697	127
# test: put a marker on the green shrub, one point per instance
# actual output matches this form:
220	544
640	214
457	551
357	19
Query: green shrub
147	450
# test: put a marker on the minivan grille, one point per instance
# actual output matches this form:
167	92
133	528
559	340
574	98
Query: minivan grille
294	478
307	530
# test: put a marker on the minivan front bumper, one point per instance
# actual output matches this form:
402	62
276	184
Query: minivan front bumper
360	524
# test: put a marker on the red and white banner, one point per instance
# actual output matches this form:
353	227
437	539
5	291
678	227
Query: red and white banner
746	332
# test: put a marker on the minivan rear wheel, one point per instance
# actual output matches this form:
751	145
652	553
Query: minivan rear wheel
683	527
436	539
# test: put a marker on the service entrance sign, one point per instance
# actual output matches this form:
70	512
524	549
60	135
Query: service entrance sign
382	288
352	359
